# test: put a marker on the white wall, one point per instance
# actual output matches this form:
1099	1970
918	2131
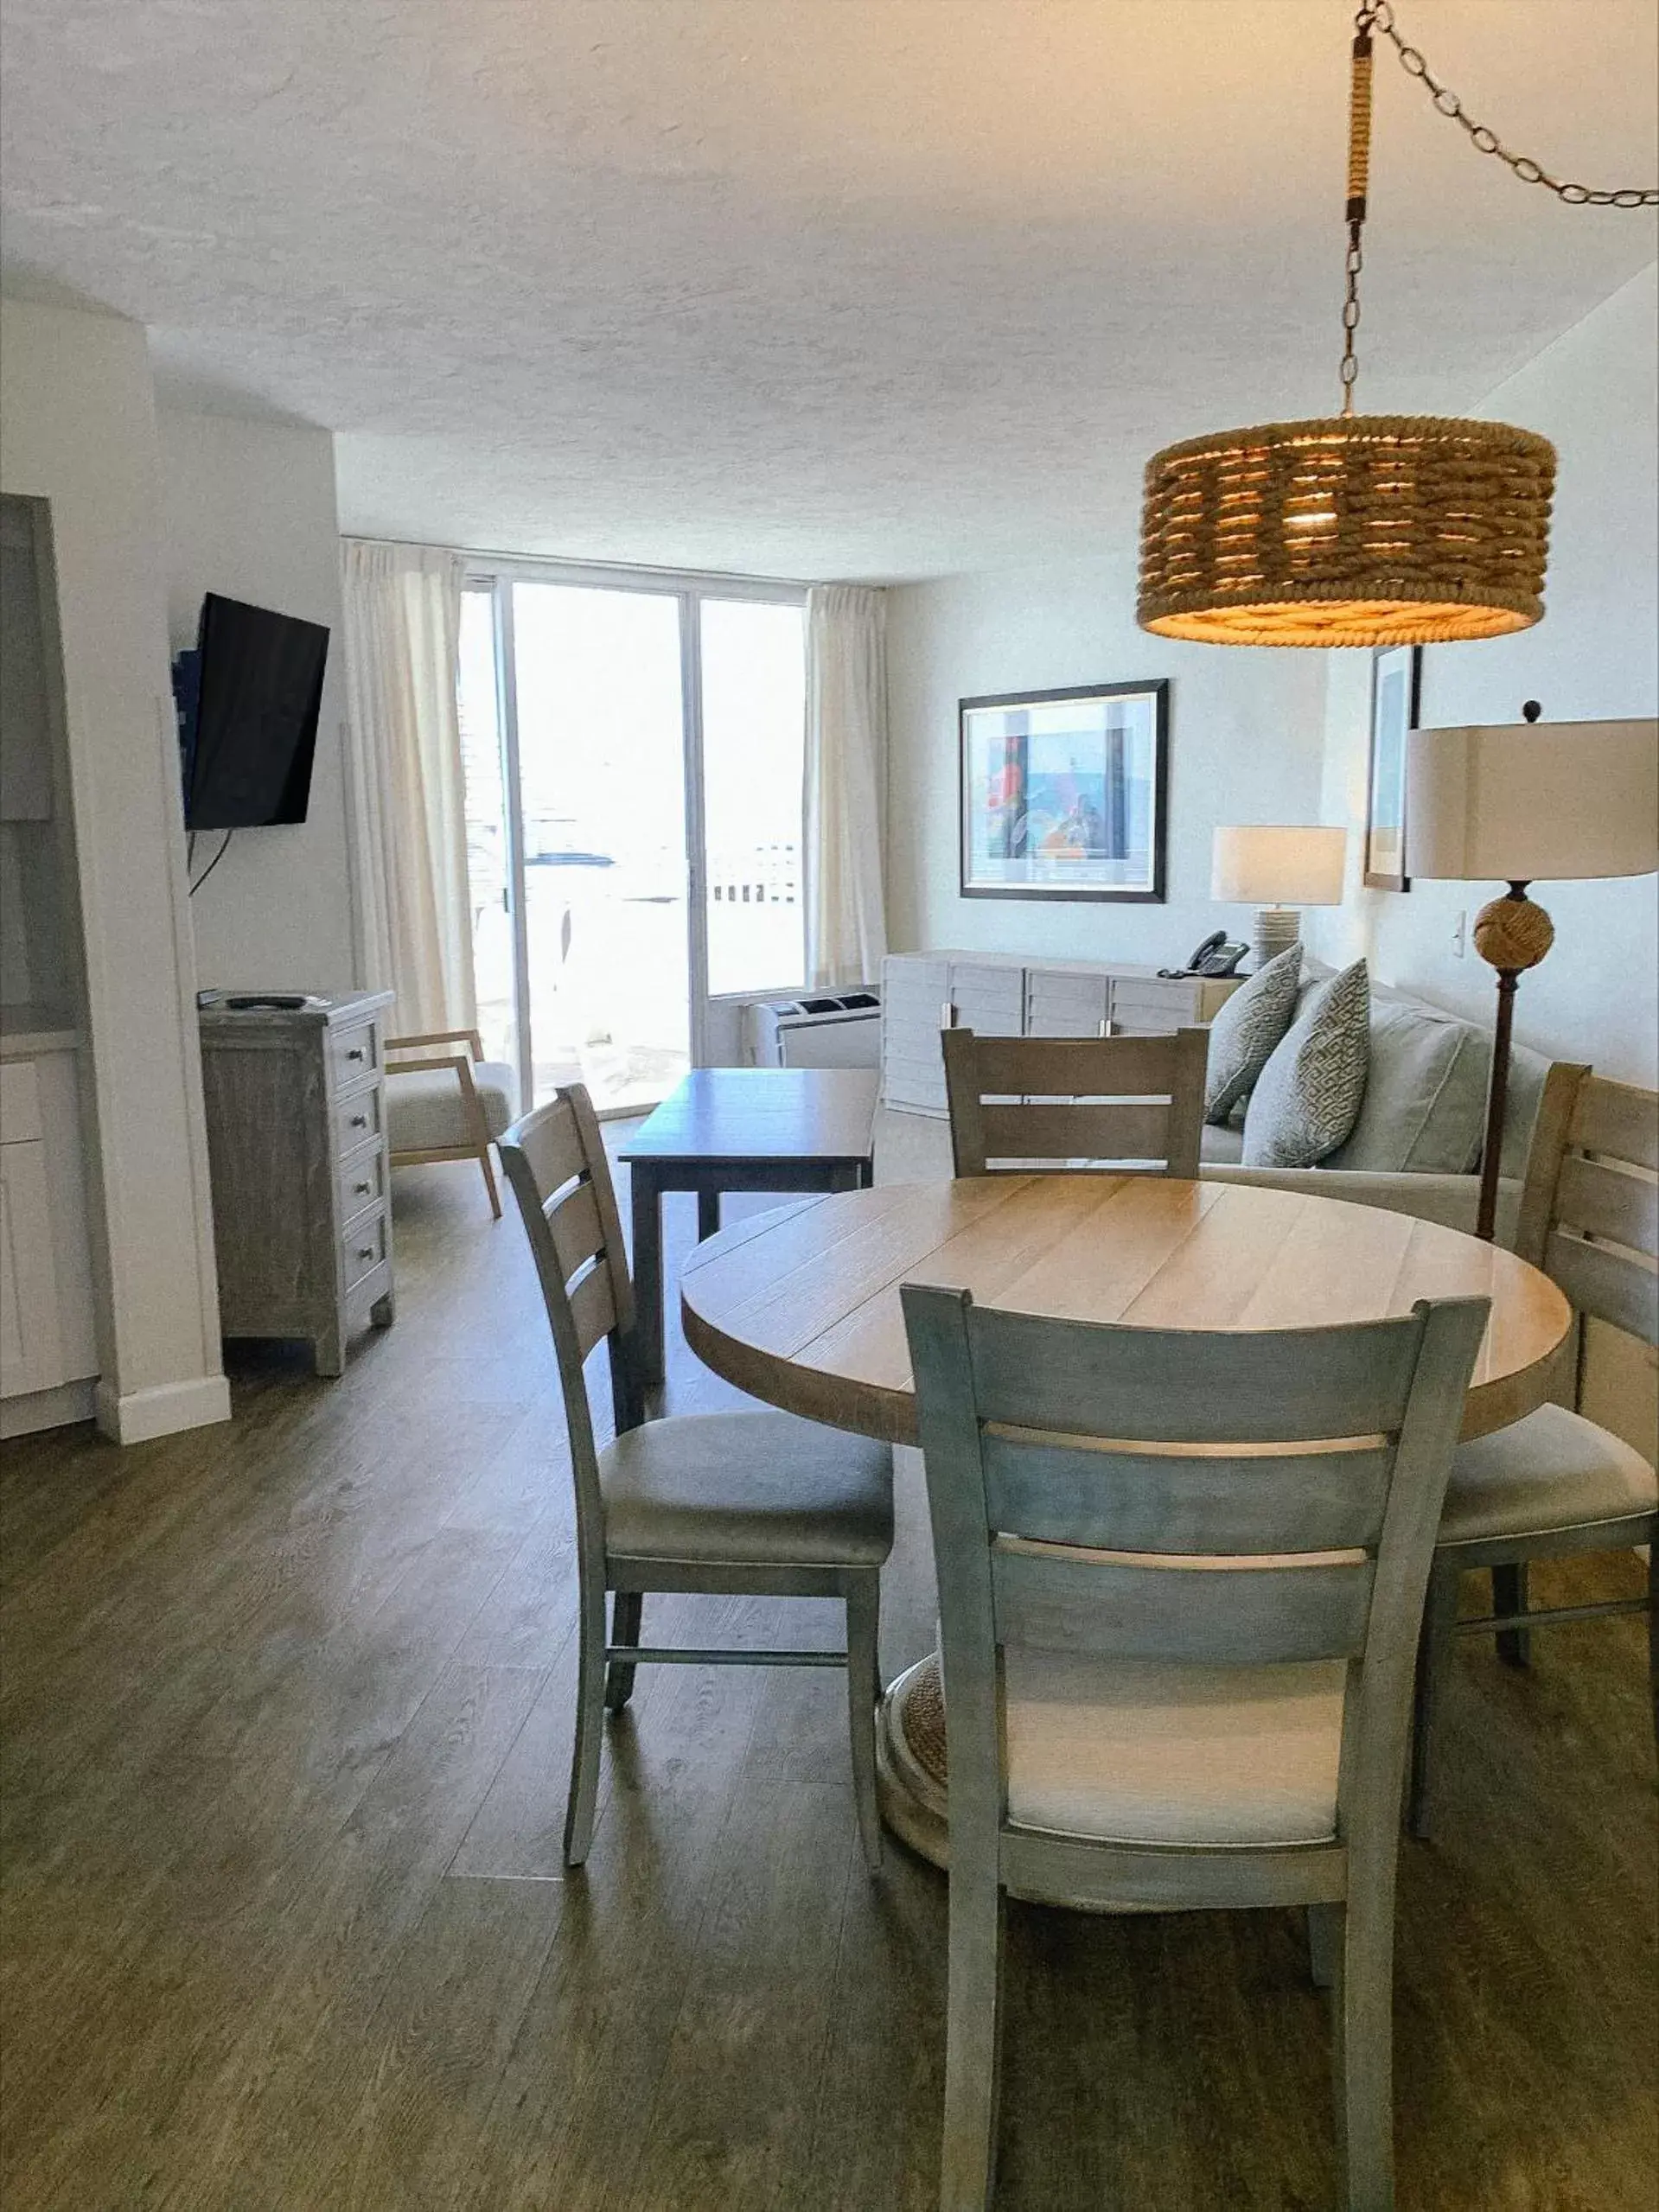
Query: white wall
1596	653
1246	733
78	430
250	511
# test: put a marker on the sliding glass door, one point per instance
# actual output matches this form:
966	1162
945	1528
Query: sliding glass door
634	756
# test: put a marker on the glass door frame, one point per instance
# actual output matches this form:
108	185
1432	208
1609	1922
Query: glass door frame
689	587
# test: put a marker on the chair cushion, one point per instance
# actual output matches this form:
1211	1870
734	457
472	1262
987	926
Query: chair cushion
423	1110
1424	1103
1152	1754
1307	1099
1553	1470
1246	1029
748	1488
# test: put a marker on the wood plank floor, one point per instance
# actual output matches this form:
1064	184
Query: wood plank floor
286	1711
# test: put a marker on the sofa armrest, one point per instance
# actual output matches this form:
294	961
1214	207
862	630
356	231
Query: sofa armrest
1450	1200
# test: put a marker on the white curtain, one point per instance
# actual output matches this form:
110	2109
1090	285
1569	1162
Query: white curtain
846	783
402	634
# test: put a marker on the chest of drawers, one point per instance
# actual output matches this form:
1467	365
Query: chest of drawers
297	1149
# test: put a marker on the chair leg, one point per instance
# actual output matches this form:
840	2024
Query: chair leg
589	1727
862	1689
1324	1944
1362	2053
625	1608
1509	1596
1435	1643
489	1180
1653	1632
972	2038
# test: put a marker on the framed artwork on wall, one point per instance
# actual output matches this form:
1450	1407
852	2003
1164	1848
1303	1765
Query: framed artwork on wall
1396	696
1065	795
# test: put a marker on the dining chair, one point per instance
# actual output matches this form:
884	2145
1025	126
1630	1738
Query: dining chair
744	1503
1556	1485
1180	1576
1126	1102
449	1106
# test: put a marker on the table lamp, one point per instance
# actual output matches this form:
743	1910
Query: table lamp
1278	869
1522	802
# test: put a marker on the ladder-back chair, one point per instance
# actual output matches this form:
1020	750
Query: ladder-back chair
746	1503
1180	1578
1557	1485
1131	1103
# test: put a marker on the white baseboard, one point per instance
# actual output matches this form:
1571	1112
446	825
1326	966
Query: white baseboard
139	1415
46	1409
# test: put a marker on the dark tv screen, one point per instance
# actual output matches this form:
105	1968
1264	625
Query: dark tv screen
255	724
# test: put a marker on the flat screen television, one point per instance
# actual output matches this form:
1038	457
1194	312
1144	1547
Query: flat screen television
256	687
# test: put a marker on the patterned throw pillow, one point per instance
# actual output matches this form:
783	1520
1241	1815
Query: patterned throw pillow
1308	1097
1244	1033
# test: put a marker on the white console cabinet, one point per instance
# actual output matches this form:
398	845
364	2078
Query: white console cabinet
1006	996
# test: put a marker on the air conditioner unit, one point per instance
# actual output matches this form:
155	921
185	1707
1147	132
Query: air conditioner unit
823	1029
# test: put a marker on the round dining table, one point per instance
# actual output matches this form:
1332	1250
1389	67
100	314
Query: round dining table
799	1307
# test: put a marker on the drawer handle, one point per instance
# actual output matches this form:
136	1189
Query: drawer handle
356	1052
360	1121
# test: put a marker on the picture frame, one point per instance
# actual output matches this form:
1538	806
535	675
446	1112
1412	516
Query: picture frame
1396	700
1064	795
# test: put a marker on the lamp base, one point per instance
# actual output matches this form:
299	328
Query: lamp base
1277	929
1512	935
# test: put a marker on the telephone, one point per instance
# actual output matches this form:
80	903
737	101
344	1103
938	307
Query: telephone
1215	956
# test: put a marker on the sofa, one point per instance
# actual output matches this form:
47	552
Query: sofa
1416	1147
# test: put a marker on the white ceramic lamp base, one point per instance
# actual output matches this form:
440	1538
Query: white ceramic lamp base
1277	929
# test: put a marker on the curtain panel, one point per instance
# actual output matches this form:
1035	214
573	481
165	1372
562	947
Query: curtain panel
403	632
846	783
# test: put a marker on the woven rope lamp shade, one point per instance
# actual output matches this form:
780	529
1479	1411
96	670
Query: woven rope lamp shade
1363	530
1358	530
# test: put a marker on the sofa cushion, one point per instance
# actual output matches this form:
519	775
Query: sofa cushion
1425	1102
1221	1148
1307	1098
1245	1031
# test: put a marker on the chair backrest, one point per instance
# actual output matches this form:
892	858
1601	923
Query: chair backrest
556	1164
1590	1203
1226	1499
1136	1103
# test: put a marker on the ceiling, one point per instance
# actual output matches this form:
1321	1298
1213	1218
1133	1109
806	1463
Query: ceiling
878	288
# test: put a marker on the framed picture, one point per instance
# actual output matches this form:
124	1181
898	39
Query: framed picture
1396	695
1064	795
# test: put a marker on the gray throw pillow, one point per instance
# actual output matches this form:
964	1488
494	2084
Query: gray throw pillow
1308	1097
1245	1031
1425	1094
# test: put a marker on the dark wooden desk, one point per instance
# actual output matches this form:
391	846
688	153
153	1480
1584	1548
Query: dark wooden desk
779	1129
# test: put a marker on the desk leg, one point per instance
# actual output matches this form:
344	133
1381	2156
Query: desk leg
647	1273
708	1214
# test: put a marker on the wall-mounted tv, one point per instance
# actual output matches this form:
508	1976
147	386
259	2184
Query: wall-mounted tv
248	716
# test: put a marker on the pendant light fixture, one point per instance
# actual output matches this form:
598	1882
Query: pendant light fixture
1359	530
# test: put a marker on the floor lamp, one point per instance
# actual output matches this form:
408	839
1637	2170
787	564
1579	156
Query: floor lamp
1528	801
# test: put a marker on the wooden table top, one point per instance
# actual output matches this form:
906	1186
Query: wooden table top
823	1114
800	1306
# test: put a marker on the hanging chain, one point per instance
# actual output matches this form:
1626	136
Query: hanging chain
1359	172
1379	15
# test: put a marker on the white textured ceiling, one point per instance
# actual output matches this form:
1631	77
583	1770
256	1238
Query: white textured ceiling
809	287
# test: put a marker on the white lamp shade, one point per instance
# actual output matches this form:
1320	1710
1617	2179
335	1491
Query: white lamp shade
1527	801
1278	865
